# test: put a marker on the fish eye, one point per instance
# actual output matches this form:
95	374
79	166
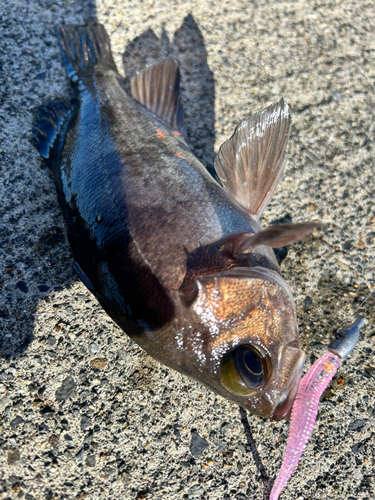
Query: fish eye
242	370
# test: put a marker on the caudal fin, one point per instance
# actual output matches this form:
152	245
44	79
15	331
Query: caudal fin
251	162
85	49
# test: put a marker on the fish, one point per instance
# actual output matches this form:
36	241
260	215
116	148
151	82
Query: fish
174	254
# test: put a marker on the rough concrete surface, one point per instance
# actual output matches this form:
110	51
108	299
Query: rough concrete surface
84	412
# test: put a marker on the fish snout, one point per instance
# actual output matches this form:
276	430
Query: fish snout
290	370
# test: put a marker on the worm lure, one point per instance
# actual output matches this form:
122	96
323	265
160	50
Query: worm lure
306	403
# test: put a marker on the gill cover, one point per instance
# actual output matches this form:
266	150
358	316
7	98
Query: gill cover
242	338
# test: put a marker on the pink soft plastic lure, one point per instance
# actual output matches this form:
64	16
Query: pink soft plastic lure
306	404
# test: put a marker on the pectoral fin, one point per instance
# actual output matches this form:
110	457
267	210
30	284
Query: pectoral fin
272	236
158	89
251	162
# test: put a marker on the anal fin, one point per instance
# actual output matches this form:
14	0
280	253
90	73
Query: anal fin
49	122
83	277
158	89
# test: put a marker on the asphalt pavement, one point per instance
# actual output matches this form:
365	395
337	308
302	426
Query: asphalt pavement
84	412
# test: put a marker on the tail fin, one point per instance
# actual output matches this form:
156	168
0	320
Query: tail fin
84	48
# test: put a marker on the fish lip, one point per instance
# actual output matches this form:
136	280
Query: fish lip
284	406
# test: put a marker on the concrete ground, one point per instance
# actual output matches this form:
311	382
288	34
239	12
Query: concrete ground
84	412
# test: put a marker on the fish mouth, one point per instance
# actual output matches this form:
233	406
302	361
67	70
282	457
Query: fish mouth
284	406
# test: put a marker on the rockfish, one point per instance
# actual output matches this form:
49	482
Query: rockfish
176	257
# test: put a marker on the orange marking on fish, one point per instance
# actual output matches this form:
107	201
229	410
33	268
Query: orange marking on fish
179	156
159	134
175	132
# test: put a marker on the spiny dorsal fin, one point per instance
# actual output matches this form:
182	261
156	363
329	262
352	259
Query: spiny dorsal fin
158	89
272	236
251	162
48	122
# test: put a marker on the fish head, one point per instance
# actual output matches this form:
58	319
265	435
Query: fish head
240	338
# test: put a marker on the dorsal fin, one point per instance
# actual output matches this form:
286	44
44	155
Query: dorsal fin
272	236
251	162
48	123
158	89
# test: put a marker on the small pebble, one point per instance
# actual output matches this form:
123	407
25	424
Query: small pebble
14	456
99	363
197	444
356	425
66	389
91	461
85	422
21	285
16	422
93	348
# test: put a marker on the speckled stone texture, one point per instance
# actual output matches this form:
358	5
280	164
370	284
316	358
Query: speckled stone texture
84	412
